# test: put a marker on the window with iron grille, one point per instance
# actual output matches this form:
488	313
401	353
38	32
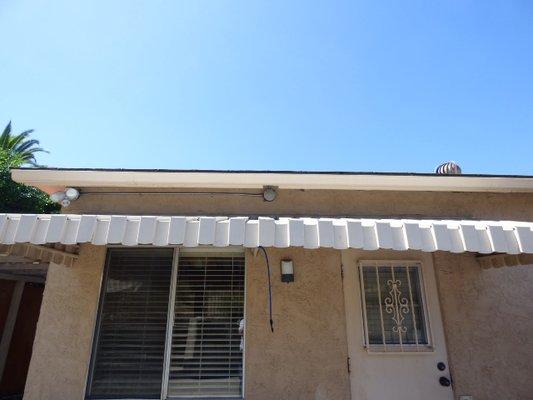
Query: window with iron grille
168	326
394	312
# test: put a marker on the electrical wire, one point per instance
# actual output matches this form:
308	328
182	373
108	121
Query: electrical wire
269	289
174	193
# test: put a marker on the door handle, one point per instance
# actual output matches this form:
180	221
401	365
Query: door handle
444	381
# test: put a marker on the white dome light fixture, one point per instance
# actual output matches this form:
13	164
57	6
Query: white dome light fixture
72	194
66	196
57	197
270	193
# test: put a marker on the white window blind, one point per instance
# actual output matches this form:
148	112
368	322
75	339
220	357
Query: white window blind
393	307
206	359
130	339
139	352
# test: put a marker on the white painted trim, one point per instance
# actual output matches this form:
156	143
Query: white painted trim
9	326
43	178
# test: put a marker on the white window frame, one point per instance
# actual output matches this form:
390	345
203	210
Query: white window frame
395	348
170	316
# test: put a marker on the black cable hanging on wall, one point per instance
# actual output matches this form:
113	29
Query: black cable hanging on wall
269	289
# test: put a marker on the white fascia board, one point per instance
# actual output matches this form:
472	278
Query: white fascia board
251	180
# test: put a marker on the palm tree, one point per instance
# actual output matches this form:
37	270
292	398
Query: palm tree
20	146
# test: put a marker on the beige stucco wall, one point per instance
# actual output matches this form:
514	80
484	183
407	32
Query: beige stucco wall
62	346
318	203
487	313
305	357
488	322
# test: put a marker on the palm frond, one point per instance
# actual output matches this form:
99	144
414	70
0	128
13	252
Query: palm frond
20	147
5	135
26	145
34	150
16	139
27	156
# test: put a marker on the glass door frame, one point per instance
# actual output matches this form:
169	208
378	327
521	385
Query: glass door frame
171	308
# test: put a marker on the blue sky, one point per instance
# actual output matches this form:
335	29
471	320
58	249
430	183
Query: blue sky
305	85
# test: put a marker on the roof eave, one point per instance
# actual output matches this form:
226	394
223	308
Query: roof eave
50	179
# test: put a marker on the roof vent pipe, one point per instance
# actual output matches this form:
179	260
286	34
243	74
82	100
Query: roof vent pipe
449	168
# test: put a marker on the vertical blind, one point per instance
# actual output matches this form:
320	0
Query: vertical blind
130	341
206	359
129	352
393	305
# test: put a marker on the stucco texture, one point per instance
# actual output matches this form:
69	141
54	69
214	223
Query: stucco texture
488	322
384	204
488	314
62	346
305	357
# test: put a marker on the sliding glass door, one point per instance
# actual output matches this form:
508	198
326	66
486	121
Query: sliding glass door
206	358
168	325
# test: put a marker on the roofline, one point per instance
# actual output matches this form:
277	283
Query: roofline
45	178
252	171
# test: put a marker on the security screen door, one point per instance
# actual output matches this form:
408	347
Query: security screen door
168	325
394	328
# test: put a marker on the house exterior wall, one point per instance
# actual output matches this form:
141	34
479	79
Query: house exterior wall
488	321
278	365
488	350
510	206
305	357
63	340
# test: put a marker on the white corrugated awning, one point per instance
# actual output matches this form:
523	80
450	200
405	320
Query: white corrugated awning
340	233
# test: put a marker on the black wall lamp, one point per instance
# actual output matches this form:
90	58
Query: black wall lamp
287	271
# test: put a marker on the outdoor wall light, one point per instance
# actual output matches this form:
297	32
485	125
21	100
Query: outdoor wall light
72	194
287	271
57	197
64	197
270	193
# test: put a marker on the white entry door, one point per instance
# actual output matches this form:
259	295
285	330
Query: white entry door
395	336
